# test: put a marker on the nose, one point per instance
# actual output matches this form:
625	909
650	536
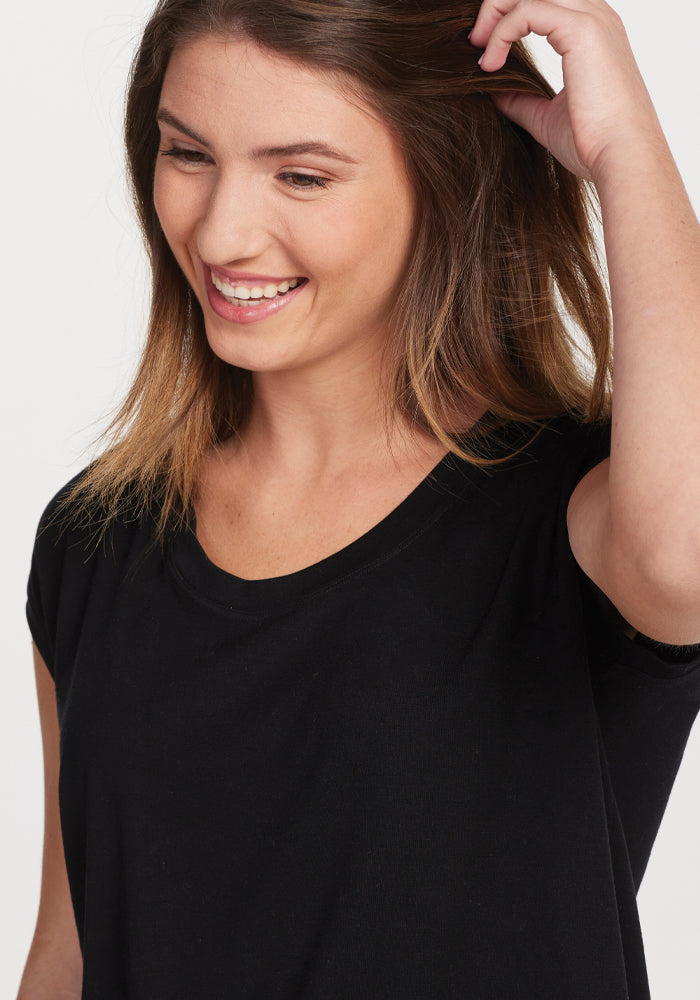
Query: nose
234	228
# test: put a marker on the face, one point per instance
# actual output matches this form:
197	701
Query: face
285	204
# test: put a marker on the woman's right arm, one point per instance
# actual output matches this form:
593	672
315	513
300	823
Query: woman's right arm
54	967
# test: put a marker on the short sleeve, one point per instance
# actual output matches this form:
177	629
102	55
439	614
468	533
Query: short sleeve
36	614
646	706
583	447
46	577
646	695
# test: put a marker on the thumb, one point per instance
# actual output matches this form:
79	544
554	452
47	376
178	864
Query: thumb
526	110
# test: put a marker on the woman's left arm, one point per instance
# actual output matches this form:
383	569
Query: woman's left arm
634	520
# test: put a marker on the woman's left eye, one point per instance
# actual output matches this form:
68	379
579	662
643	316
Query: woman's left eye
304	181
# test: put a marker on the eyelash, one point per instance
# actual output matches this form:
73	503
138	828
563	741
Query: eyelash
316	181
183	155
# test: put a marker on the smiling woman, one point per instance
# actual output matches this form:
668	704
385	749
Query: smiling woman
402	100
335	225
370	633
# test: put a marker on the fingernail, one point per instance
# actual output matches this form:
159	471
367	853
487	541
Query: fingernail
479	59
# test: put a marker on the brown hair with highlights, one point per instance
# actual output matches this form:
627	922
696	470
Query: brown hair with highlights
503	265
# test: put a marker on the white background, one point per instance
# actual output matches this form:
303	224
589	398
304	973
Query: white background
74	307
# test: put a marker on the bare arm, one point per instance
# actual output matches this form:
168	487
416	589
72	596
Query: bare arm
54	967
634	520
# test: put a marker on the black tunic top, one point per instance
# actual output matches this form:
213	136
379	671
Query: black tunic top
425	767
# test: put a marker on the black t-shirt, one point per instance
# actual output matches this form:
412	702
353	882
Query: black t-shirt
425	767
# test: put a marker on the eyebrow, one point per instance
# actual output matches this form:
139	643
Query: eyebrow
299	148
313	146
168	118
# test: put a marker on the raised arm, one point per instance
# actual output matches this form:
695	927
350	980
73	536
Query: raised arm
634	520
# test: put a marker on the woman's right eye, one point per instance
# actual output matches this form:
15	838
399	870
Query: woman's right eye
193	157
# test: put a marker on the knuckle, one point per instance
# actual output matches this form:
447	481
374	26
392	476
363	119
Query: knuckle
591	24
611	14
616	21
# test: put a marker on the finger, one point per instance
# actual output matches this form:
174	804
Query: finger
526	110
493	11
562	26
542	118
490	13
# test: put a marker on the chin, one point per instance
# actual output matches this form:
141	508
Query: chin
245	350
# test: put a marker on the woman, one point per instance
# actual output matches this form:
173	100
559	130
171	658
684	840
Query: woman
370	632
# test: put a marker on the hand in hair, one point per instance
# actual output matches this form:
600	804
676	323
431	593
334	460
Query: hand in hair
604	105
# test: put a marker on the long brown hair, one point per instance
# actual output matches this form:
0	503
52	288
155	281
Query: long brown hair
503	248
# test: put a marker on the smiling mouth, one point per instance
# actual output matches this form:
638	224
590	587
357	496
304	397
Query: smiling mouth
253	295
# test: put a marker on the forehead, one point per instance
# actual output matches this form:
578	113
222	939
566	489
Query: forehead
230	80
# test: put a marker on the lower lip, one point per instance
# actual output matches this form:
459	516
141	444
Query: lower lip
247	314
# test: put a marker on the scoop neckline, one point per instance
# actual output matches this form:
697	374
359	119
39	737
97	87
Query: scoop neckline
440	488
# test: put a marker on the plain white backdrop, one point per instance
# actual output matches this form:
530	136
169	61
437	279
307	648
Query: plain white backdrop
75	303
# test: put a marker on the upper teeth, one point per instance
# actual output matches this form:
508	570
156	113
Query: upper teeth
254	291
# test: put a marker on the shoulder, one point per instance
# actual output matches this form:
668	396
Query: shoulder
66	522
76	512
76	558
567	450
555	453
60	520
76	529
575	443
531	466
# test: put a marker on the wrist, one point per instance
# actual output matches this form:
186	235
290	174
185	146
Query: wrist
632	154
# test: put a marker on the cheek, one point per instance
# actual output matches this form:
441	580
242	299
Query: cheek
175	207
161	200
350	239
370	241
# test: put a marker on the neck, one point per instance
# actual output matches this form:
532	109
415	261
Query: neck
314	424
